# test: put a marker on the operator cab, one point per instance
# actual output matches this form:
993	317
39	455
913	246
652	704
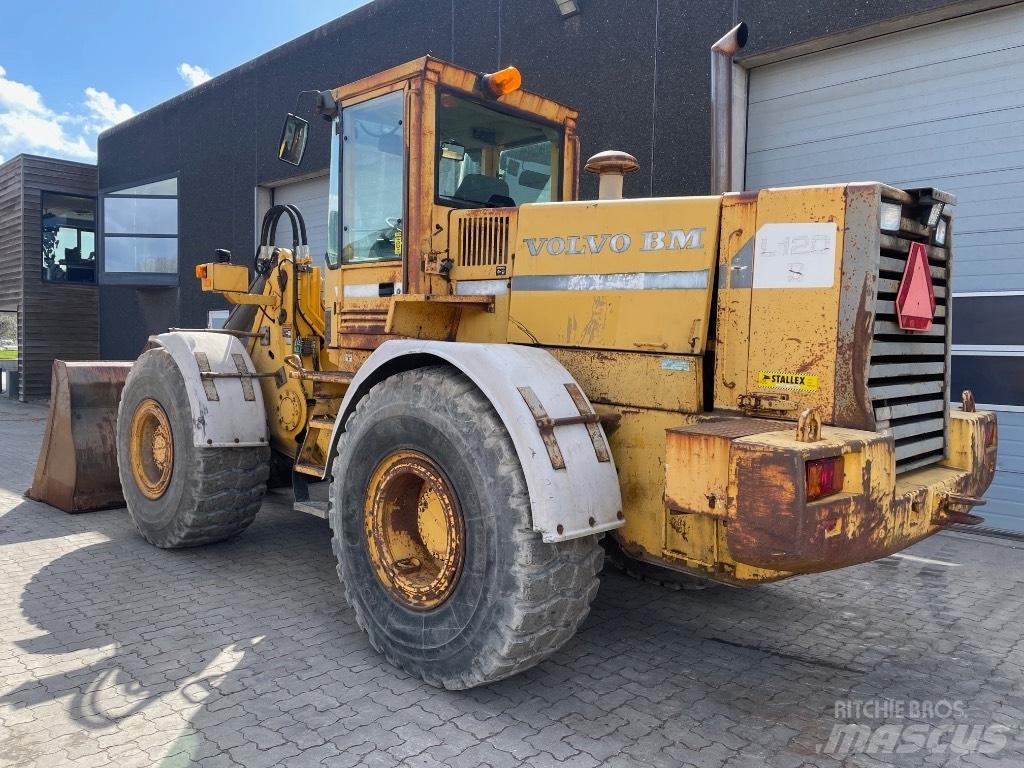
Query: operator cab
413	147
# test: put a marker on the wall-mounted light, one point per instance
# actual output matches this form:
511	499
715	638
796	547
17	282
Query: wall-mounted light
567	7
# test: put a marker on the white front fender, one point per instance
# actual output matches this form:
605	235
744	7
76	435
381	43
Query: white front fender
581	499
227	412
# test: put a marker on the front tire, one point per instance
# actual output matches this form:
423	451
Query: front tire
179	495
431	522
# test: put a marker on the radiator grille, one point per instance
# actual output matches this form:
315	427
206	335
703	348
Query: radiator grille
908	378
483	240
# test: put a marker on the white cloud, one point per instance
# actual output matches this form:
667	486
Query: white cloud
28	125
104	111
14	95
192	74
41	134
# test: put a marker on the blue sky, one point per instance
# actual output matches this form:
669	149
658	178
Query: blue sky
69	69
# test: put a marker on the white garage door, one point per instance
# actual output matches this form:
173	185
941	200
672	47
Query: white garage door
940	105
310	197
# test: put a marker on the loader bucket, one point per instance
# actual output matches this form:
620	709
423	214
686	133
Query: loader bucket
77	467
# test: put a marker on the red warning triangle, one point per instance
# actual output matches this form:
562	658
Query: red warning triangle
915	301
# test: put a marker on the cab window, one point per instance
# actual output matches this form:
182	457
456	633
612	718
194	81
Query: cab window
486	157
372	179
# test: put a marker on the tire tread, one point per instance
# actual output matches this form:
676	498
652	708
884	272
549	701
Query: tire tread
554	583
229	483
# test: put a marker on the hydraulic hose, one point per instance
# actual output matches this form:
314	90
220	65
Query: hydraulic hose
242	316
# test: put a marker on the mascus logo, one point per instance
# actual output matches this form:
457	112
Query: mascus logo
620	242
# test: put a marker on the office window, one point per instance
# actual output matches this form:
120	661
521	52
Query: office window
69	238
140	230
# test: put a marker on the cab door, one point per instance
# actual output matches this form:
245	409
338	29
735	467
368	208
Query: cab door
373	142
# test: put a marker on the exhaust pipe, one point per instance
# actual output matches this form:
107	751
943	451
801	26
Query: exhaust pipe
610	167
722	53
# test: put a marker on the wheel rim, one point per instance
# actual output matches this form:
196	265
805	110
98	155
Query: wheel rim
414	530
152	449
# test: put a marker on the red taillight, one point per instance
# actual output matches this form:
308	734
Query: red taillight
824	477
990	433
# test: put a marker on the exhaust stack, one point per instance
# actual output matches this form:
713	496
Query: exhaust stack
722	54
610	167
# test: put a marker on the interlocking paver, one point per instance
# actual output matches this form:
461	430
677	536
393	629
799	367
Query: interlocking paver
113	653
414	740
252	756
302	735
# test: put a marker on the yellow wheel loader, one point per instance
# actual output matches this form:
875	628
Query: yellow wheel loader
493	375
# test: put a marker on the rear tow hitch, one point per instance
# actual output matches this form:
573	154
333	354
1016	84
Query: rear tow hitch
954	510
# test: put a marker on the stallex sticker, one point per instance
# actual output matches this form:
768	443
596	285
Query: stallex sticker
776	380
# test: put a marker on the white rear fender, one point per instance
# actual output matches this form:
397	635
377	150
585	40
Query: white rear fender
578	499
227	409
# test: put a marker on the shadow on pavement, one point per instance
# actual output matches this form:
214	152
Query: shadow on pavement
248	648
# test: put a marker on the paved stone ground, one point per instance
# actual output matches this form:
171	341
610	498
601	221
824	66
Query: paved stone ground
244	653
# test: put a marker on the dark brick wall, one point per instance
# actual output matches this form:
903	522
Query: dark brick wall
637	70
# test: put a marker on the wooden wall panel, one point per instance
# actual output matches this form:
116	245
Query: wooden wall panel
10	234
60	320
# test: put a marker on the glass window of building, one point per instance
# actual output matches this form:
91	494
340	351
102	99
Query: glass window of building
69	238
140	230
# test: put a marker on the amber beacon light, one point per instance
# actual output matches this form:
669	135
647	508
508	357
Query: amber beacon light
502	82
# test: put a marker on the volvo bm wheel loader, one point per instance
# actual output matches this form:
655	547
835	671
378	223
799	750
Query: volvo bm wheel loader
492	374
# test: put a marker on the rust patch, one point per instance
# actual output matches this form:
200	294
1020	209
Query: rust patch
593	427
733	427
852	407
77	467
415	531
808	426
736	198
856	411
774	528
678	526
363	341
362	320
547	431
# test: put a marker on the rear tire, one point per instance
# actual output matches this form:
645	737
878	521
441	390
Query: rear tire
516	600
653	574
211	494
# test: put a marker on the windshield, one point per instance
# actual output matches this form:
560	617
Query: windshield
491	158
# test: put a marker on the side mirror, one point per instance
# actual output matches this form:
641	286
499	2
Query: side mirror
293	139
452	151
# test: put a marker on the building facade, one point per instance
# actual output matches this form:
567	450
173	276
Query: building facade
48	290
910	92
